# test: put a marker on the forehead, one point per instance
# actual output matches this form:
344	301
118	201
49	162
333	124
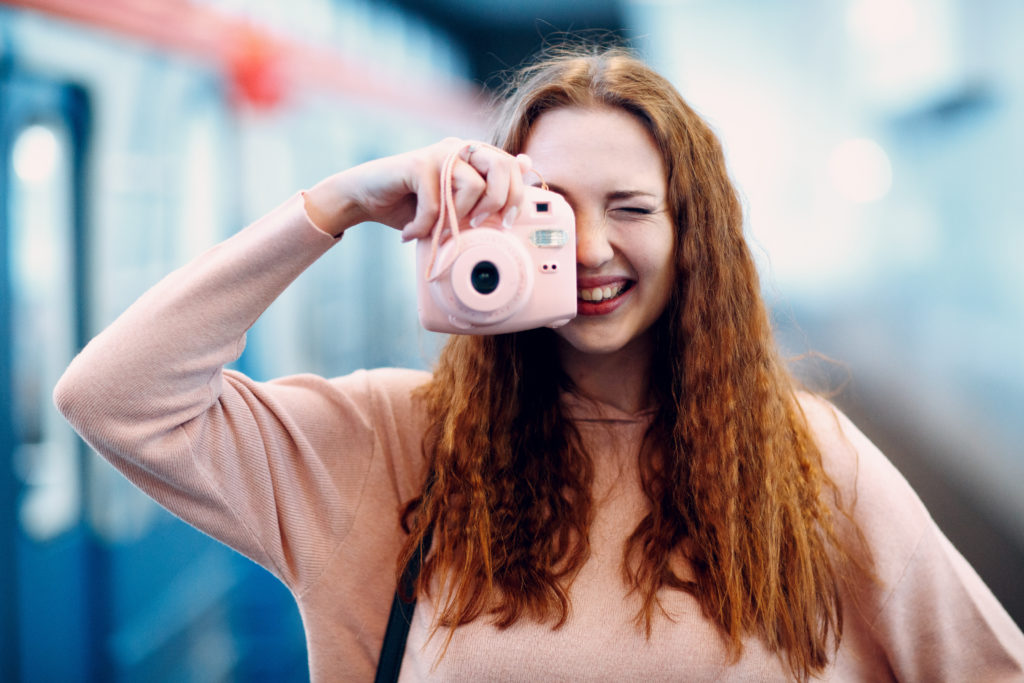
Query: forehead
599	148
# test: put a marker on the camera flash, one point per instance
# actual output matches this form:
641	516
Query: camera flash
549	238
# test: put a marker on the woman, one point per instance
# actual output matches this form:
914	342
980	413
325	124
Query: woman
641	494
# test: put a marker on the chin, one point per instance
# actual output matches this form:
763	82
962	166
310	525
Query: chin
601	336
590	341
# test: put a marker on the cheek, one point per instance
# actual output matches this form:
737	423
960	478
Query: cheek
660	256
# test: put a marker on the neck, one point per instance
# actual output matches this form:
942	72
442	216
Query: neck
620	379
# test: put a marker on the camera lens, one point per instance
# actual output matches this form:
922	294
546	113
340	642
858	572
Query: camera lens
484	277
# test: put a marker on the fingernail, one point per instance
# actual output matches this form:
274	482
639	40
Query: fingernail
510	217
475	221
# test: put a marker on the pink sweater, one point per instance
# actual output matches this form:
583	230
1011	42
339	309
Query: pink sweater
305	476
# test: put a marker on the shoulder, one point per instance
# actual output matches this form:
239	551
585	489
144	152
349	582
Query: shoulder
363	391
379	406
871	487
888	515
400	380
925	605
388	389
390	401
377	413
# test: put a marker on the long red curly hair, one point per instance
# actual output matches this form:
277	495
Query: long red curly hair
732	473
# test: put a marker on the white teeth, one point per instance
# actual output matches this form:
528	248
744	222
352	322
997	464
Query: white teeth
598	294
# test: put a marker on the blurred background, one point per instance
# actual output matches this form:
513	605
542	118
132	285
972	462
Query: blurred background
877	145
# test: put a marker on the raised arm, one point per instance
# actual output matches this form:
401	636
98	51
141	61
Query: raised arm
273	469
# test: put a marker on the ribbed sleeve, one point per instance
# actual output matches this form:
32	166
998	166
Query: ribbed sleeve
275	470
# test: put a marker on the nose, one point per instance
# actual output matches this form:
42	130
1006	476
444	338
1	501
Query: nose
592	246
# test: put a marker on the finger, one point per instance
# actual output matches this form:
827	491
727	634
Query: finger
427	186
495	196
517	183
503	174
468	186
481	157
525	163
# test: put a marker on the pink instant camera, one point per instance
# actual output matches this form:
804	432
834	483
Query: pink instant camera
493	280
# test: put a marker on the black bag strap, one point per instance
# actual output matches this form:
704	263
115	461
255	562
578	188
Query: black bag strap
393	649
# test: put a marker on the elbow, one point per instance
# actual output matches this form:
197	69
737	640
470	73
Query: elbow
72	395
96	408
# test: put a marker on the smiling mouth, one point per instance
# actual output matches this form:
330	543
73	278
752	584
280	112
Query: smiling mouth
598	295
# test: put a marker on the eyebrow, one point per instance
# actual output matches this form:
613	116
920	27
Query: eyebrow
630	194
614	195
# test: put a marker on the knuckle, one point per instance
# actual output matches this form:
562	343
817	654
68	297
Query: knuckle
429	205
421	166
495	194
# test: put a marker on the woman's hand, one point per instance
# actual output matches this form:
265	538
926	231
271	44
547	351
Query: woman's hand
404	190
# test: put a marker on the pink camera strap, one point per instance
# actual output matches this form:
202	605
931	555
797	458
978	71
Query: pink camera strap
447	210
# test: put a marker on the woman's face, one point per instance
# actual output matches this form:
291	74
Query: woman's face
607	166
